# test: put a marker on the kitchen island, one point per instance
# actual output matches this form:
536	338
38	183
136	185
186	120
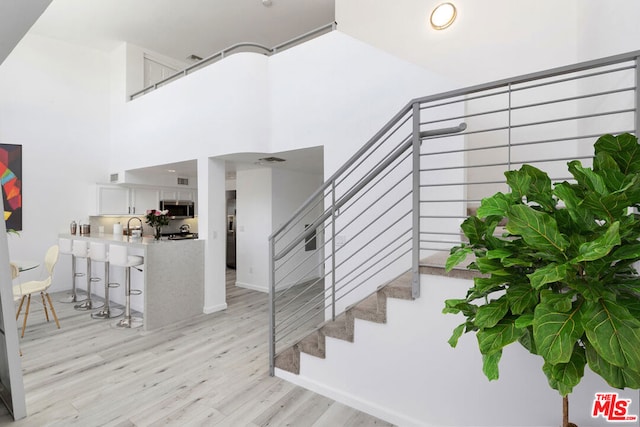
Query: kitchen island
172	281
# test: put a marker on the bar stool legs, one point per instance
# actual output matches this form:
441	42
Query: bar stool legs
107	312
119	257
129	321
66	248
89	304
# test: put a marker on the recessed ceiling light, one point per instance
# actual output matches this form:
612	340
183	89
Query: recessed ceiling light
171	170
443	16
267	3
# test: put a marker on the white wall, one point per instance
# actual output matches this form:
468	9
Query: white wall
490	39
337	92
55	102
405	372
254	206
266	198
218	110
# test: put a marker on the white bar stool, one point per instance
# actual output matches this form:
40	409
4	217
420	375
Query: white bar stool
66	248
98	252
119	257
81	250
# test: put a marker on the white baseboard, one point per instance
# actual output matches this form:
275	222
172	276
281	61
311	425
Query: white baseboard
252	287
350	400
214	308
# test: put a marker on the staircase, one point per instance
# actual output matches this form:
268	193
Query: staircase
373	309
394	209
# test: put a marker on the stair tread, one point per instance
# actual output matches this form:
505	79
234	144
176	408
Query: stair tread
372	308
313	344
289	360
341	328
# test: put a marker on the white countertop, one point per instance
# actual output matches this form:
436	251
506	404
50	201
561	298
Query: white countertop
134	241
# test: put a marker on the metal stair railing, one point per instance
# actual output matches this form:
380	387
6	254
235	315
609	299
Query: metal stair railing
398	202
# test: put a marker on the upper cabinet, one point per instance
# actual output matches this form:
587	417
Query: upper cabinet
177	194
120	200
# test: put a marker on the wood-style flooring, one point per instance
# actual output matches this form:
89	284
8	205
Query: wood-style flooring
209	371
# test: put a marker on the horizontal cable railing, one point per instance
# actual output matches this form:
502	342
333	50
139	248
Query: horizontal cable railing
238	47
399	201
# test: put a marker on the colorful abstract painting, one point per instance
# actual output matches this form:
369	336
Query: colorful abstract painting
11	180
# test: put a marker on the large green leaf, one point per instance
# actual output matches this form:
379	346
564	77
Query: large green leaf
550	273
614	376
588	178
628	251
497	205
568	193
538	229
485	285
490	314
601	246
613	332
556	332
609	207
519	183
603	161
455	336
490	365
474	229
557	301
623	148
494	339
539	190
458	254
521	298
565	376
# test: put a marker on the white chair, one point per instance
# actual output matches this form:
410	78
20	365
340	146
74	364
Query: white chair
119	257
99	253
25	290
66	248
81	250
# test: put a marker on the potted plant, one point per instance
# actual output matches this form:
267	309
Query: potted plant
560	278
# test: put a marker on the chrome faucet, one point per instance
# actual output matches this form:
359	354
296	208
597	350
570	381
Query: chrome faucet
129	227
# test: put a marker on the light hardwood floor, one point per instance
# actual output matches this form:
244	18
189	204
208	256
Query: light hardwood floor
209	371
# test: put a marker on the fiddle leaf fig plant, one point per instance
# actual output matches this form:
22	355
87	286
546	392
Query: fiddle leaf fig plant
559	277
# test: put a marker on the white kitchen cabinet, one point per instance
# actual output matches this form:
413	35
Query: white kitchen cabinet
143	199
123	200
177	194
112	200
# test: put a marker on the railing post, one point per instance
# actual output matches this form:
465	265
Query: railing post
637	97
272	308
333	250
415	252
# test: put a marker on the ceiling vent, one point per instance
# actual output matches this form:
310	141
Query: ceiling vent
271	160
183	181
114	177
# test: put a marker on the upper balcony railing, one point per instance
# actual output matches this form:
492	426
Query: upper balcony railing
238	47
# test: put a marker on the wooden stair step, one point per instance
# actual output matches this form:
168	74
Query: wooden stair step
400	287
373	308
341	328
289	360
313	344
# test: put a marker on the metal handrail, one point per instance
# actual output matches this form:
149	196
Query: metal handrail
226	51
504	130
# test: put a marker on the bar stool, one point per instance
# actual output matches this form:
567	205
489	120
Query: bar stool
65	246
119	257
81	250
98	252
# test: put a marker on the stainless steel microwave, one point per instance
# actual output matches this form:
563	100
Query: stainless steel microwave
178	208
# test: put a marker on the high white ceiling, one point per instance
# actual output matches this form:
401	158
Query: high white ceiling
181	28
